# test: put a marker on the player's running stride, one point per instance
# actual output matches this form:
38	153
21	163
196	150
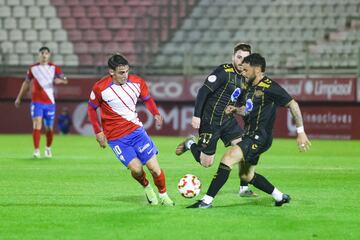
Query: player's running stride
116	95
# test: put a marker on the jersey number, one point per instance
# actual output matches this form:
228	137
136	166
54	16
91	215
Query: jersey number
117	150
204	138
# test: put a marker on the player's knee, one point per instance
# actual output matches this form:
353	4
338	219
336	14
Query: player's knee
37	124
136	172
135	167
206	161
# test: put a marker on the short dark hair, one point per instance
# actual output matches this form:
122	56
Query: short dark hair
43	48
256	60
116	60
242	46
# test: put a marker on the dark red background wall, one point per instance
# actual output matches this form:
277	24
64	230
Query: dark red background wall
328	105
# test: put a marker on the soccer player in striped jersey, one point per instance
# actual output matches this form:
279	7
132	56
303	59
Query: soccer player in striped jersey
42	76
116	95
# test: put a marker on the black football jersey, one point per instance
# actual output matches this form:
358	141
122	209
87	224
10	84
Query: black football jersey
226	86
261	102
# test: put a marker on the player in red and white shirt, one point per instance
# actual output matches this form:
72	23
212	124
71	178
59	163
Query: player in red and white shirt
42	75
116	95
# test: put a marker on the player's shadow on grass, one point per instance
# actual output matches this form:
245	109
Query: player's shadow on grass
127	199
256	201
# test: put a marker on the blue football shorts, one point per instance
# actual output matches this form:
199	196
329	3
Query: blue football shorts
135	145
45	111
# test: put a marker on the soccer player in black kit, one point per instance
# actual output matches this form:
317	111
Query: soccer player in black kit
221	89
261	99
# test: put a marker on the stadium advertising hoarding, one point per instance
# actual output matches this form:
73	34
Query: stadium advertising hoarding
303	89
321	88
332	122
179	89
175	97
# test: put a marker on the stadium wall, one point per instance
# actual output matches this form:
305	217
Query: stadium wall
330	105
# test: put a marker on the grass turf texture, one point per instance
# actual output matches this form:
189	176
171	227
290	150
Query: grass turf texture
83	192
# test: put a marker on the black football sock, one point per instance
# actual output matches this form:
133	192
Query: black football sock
219	180
243	183
262	183
195	150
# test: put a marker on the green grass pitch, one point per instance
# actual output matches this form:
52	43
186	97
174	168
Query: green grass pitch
83	192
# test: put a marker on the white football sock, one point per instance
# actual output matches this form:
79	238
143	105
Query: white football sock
189	143
207	199
277	195
161	195
243	188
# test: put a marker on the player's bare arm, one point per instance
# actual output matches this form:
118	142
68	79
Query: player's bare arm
302	139
61	80
235	110
23	90
195	122
159	120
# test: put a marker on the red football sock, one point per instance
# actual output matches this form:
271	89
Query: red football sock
49	137
36	138
141	179
160	182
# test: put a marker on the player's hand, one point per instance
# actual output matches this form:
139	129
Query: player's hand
101	139
159	120
235	110
303	142
195	122
241	110
17	103
230	109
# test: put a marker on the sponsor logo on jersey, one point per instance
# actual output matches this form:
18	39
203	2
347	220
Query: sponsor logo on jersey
249	106
264	84
236	93
143	148
212	78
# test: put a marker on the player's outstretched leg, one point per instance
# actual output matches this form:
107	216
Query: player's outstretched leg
160	183
159	180
263	184
185	145
217	183
149	192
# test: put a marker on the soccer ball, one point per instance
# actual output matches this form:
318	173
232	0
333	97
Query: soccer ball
189	186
